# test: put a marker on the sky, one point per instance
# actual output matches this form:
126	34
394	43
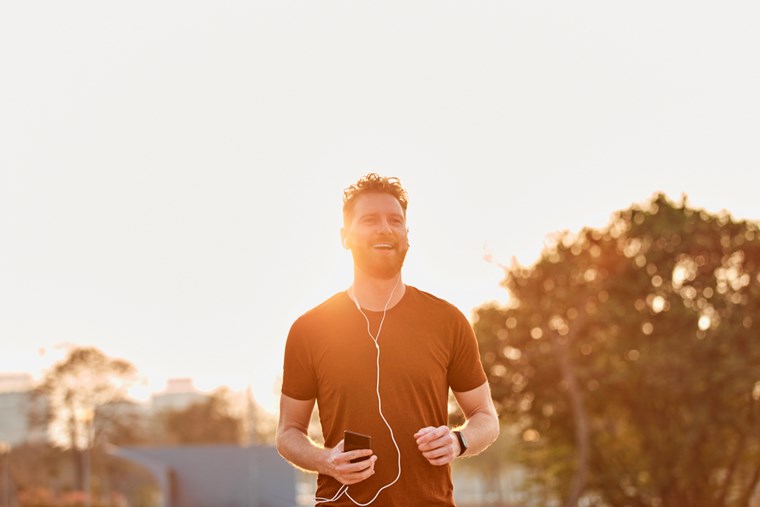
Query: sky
171	173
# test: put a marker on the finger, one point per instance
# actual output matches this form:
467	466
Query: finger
346	457
423	431
432	434
362	465
444	441
356	472
359	453
369	465
441	461
357	477
433	438
436	453
358	467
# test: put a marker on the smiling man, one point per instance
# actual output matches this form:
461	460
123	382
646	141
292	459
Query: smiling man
379	359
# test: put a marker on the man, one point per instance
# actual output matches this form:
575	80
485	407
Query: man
379	359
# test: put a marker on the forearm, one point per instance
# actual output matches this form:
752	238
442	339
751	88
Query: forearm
296	447
301	451
440	446
480	431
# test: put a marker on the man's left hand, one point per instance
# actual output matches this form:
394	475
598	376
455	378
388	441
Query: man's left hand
439	445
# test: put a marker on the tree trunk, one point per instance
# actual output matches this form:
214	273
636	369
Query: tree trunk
77	455
720	500
754	484
580	421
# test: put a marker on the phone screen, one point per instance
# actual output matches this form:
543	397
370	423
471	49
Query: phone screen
353	441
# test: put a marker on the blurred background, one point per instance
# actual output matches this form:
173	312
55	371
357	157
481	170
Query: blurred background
582	183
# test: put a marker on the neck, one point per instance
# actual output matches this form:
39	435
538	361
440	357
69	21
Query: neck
375	293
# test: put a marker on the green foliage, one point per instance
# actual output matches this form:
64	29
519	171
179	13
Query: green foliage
207	422
76	388
86	409
628	358
40	497
42	475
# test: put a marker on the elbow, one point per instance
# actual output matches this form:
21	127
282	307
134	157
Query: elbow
279	442
496	429
494	425
278	445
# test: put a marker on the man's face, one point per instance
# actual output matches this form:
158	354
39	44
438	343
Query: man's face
377	235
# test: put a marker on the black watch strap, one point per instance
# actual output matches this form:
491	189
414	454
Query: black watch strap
462	442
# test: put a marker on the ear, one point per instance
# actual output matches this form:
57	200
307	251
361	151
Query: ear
344	237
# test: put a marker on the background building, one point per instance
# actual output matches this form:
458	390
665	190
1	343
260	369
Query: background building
16	401
178	395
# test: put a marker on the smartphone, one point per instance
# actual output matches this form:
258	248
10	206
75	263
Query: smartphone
353	441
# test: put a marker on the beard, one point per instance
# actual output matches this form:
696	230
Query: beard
383	267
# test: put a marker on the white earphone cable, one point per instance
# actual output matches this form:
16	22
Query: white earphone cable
344	488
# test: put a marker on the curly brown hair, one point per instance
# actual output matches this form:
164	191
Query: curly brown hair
373	183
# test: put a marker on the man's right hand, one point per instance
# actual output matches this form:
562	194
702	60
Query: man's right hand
338	464
294	444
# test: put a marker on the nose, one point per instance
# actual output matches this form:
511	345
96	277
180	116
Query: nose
385	226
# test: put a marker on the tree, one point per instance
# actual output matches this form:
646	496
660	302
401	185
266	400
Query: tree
76	390
38	465
211	421
258	426
627	358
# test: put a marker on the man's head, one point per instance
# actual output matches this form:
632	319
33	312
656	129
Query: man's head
372	183
374	225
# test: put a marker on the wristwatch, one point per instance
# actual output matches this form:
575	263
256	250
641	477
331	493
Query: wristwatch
462	442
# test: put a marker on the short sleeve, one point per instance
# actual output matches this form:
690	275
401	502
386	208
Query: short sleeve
465	368
298	378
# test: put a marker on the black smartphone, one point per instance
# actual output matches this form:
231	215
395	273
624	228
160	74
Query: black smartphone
353	441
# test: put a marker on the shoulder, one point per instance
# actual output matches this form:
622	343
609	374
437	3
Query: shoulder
327	305
326	310
433	303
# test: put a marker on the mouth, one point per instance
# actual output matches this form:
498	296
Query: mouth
383	246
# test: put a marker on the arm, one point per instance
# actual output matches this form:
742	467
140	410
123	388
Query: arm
294	444
440	446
